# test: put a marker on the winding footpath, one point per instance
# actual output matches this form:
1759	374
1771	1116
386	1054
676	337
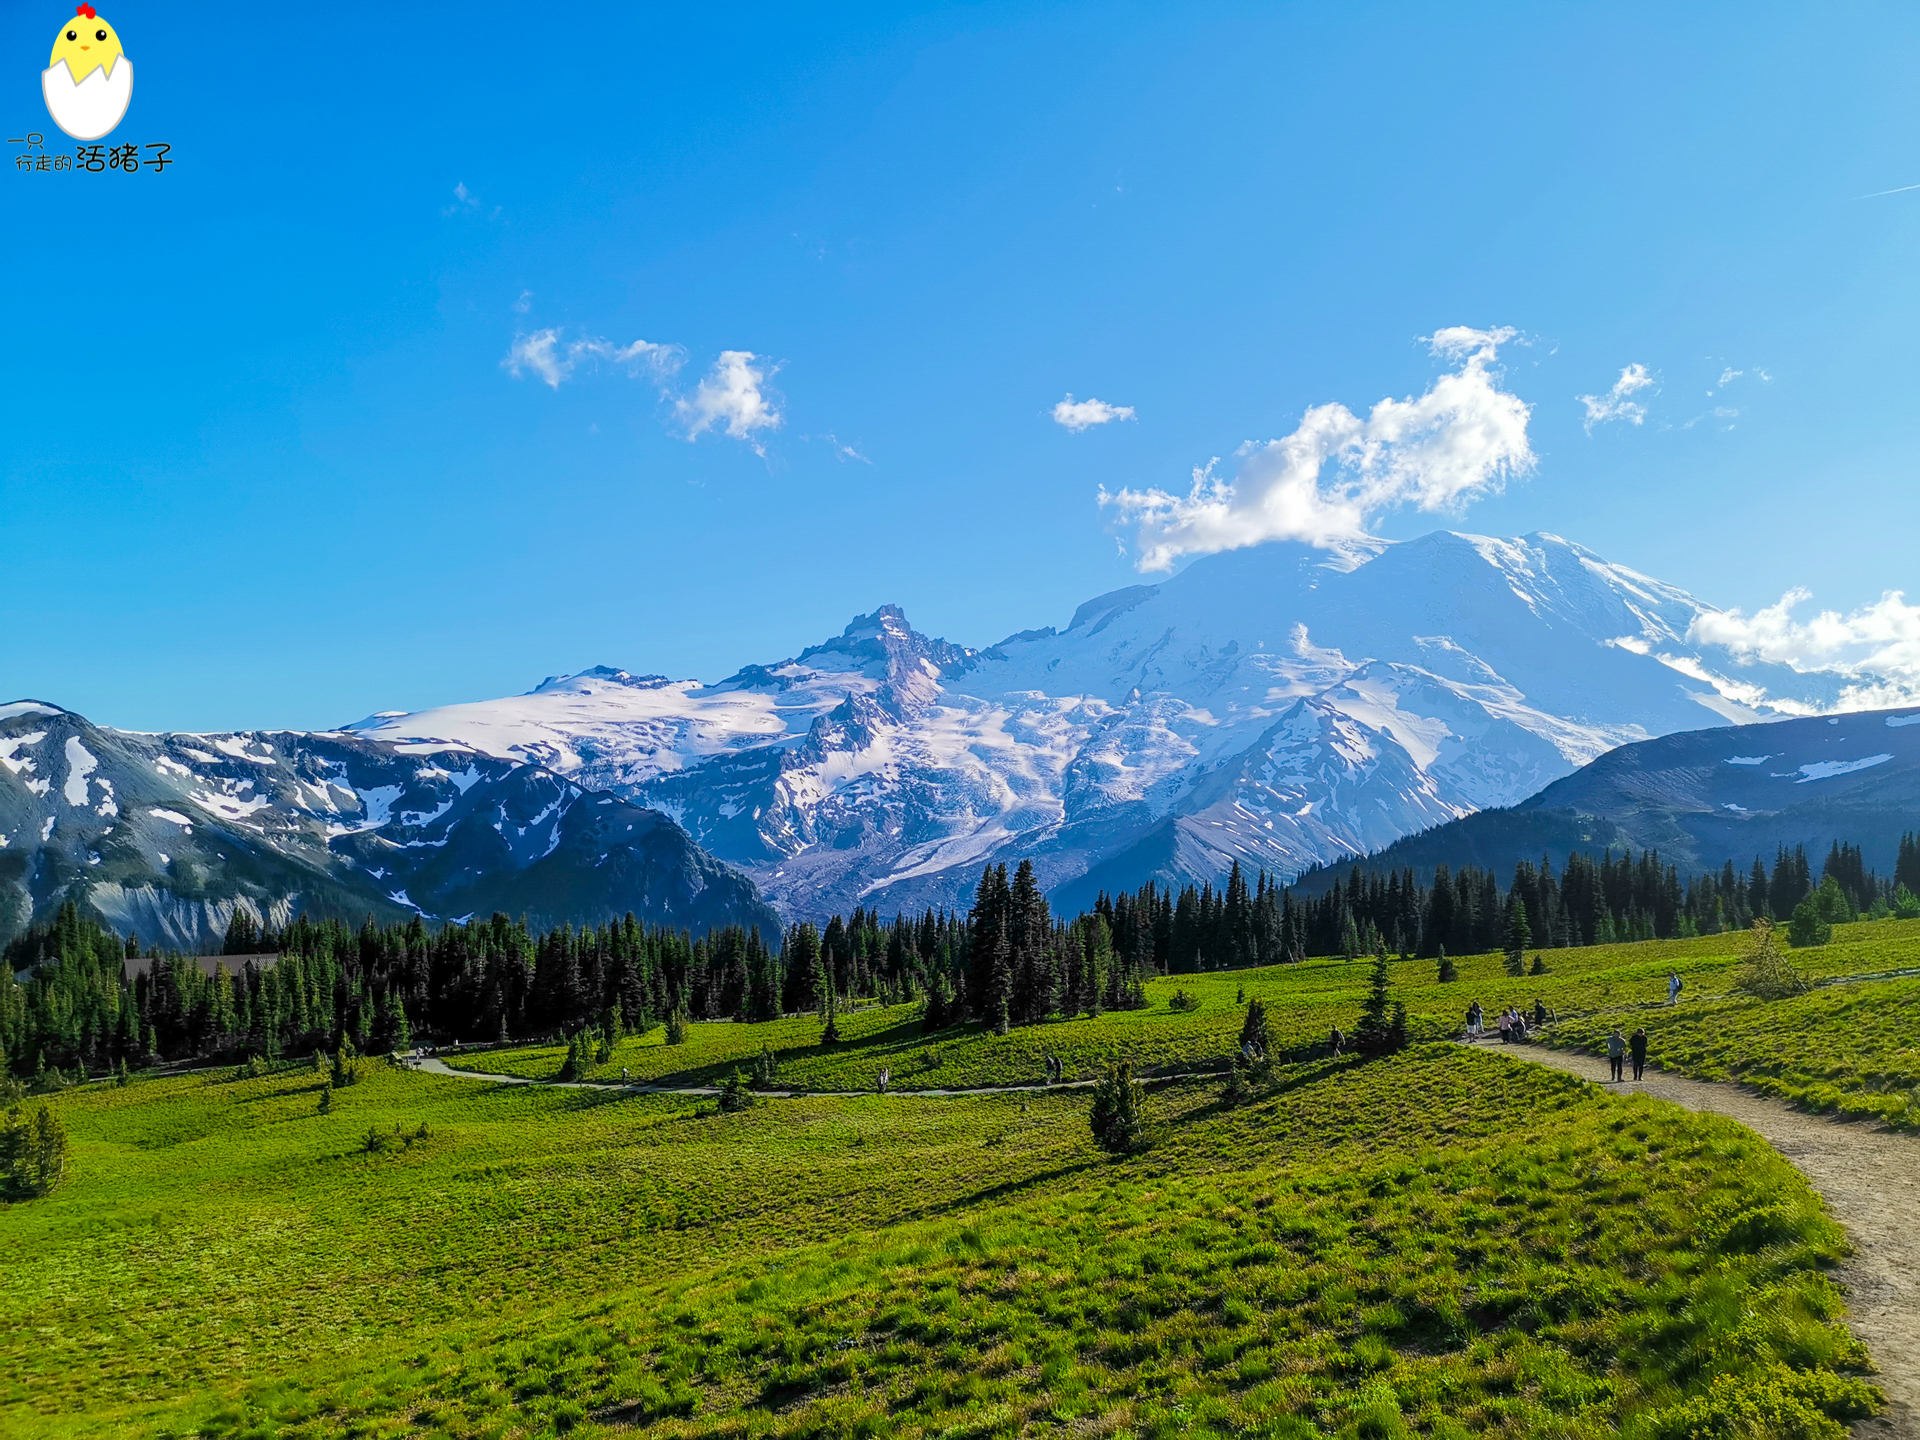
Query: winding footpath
1868	1176
429	1065
1870	1179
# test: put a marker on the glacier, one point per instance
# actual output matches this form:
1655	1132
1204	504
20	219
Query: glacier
1279	706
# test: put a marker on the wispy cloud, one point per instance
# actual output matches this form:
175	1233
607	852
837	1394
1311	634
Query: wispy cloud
524	303
734	396
1878	645
1079	415
1618	403
841	451
1464	438
544	355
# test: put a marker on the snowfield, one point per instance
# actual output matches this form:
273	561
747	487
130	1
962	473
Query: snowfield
1281	706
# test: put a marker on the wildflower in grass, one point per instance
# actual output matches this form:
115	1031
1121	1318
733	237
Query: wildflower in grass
1115	1118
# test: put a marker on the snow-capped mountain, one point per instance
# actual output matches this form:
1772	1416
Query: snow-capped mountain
1280	705
1701	798
164	836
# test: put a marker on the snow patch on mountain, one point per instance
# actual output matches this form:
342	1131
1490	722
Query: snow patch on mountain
1278	705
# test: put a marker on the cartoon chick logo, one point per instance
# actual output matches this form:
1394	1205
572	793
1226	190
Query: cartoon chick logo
89	80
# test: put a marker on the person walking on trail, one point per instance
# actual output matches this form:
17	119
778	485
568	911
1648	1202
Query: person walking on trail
1673	988
886	1074
1617	1053
1335	1041
1637	1045
623	1074
1474	1020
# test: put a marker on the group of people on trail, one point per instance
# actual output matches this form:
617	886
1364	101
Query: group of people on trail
1619	1047
1056	1070
1514	1026
886	1078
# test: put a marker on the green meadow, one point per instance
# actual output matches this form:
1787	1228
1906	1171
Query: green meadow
1443	1243
1304	1002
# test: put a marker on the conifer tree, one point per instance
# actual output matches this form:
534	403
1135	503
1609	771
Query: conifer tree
1116	1114
1516	936
1253	1032
1449	972
1374	1035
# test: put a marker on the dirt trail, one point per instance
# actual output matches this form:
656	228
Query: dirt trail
438	1067
1870	1178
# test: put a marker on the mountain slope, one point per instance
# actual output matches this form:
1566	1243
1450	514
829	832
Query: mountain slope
1703	797
1280	706
165	835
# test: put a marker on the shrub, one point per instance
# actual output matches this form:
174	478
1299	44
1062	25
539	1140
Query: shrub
734	1095
1765	971
766	1069
326	1098
33	1153
1183	1002
1115	1118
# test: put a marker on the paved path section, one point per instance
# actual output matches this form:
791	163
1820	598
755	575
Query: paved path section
1870	1179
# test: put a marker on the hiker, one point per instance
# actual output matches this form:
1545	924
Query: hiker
1673	988
1637	1044
886	1074
1474	1019
623	1074
1539	1012
1335	1041
1616	1053
1506	1025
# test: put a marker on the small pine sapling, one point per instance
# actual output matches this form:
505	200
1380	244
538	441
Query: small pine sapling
1449	972
1115	1118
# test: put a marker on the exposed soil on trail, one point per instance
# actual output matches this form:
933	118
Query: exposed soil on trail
1870	1179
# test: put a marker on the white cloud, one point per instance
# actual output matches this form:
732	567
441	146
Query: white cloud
1460	440
1876	644
543	355
1078	415
524	303
731	395
1618	403
1727	377
841	451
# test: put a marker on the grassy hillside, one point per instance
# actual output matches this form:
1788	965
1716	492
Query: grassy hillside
1303	1002
1850	1049
1451	1241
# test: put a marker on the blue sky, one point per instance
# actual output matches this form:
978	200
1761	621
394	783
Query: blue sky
265	462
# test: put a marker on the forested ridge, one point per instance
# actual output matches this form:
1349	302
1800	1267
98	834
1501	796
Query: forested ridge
76	998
